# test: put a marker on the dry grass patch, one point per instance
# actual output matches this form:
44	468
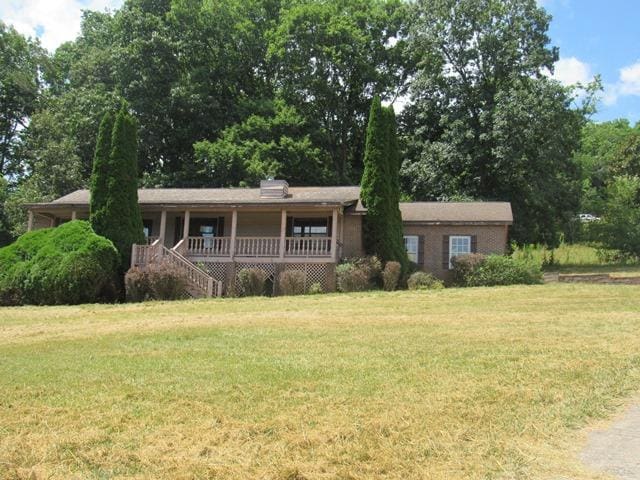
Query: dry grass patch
468	383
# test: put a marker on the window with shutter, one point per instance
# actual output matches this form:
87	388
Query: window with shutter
411	243
459	245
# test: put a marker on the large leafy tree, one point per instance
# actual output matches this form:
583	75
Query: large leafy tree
620	226
276	143
330	59
20	63
482	67
606	150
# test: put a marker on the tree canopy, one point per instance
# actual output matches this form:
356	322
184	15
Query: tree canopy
228	92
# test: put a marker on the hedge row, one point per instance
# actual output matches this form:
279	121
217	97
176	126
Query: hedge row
477	270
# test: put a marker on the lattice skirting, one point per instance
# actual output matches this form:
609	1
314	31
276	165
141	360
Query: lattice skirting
320	273
269	268
219	271
227	273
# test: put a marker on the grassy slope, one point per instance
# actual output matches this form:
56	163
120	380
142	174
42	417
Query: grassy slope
475	383
577	258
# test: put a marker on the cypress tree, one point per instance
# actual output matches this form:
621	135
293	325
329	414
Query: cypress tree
115	186
380	187
374	186
100	173
395	235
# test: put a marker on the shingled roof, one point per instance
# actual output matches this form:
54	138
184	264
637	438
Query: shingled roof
457	212
226	196
414	212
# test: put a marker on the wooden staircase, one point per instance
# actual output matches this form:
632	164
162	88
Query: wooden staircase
199	283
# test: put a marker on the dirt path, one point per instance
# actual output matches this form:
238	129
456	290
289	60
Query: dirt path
616	449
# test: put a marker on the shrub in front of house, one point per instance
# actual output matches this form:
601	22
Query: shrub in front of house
359	274
391	276
464	265
315	289
166	281
292	282
499	270
372	268
424	281
351	278
137	286
252	282
69	264
159	281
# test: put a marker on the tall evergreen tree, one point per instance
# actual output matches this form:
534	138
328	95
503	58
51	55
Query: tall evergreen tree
118	214
380	187
394	231
100	173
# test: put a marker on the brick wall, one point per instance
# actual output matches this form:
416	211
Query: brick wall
490	238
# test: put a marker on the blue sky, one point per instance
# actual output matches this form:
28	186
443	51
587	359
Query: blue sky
595	37
600	37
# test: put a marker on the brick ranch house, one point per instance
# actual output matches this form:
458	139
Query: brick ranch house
212	233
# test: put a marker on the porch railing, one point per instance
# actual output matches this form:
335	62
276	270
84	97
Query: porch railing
308	246
255	247
209	246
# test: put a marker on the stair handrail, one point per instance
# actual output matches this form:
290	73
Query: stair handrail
197	276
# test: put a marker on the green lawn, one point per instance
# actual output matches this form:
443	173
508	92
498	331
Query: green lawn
454	384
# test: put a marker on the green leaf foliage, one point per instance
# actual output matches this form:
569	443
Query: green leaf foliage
69	264
606	150
619	228
496	270
485	122
20	60
116	213
274	144
330	58
380	191
100	173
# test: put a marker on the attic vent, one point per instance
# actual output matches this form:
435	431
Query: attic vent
274	188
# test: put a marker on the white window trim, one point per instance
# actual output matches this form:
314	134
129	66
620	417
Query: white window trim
415	238
451	240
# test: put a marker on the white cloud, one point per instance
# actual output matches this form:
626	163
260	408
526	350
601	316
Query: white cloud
628	84
630	79
53	21
570	71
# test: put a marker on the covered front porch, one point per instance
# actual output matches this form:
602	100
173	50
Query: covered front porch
240	234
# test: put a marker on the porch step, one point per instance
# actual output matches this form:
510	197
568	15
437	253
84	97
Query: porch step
199	283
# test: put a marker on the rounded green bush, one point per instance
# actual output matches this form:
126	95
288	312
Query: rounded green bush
69	264
424	281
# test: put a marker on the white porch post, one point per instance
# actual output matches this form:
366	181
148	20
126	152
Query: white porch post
234	227
334	235
52	222
283	233
185	230
30	221
163	226
74	215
